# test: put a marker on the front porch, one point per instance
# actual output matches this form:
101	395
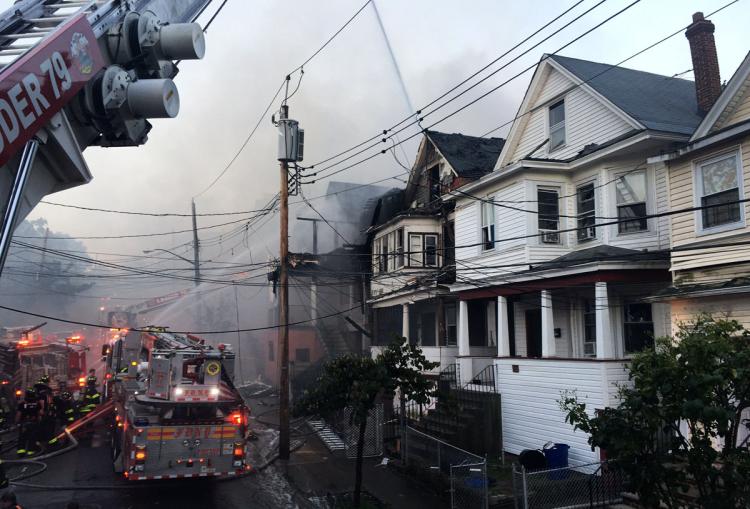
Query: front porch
554	336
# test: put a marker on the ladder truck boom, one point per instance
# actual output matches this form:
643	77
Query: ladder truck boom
77	73
177	411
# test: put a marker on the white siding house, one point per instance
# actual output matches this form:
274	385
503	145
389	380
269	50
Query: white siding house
574	250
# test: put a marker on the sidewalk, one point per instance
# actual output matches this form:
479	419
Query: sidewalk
315	472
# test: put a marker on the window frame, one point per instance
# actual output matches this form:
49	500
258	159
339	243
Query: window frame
646	204
698	193
419	260
626	323
399	248
588	311
540	230
580	216
562	125
489	201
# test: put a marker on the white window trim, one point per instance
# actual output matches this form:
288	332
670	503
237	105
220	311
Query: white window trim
650	203
698	192
481	205
558	189
564	100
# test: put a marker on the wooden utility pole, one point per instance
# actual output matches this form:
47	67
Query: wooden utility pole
284	304
196	260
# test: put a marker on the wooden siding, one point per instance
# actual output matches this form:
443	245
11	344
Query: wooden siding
684	227
587	120
530	410
735	307
741	111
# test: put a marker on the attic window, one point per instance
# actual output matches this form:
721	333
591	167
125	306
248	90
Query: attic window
557	125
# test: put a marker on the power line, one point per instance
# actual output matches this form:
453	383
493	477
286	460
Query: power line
275	96
150	214
419	111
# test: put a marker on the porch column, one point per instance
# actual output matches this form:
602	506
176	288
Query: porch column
503	332
604	341
405	321
463	328
548	325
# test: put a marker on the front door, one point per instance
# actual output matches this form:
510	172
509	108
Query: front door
534	333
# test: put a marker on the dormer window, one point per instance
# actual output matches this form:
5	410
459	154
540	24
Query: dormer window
557	125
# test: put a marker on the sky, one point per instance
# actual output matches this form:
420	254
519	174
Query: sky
349	93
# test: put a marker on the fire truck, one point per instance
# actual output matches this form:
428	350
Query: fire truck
61	356
177	412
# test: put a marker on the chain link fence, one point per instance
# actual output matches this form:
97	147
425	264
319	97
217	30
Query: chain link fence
590	485
373	445
447	467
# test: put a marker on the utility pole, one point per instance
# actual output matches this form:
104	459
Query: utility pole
196	260
284	297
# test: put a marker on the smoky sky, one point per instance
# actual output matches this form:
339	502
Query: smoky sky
349	92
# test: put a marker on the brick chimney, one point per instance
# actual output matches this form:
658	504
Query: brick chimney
700	34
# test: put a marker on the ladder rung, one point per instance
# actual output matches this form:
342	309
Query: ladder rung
6	52
47	19
68	4
23	35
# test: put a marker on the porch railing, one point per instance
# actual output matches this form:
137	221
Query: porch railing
484	381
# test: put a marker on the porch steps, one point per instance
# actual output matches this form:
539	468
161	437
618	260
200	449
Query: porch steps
330	439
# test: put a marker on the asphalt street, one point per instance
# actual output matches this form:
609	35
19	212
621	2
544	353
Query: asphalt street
89	465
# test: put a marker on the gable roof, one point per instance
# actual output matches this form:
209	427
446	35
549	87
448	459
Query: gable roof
469	156
657	102
726	102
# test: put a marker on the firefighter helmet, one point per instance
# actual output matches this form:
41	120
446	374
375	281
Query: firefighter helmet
44	379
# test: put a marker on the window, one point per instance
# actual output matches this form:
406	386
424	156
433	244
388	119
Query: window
302	355
430	250
415	250
586	198
271	356
639	327
718	185
556	125
451	329
488	223
399	248
434	183
391	262
631	202
589	328
384	254
548	219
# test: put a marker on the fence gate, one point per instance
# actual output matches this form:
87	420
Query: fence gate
469	486
373	434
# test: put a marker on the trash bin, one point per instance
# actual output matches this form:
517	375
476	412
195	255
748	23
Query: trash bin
557	458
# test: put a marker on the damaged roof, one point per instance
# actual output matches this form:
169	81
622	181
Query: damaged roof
658	102
470	156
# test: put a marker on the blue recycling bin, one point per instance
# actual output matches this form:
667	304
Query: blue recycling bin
557	458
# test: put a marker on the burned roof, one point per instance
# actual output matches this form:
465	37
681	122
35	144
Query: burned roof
661	103
470	156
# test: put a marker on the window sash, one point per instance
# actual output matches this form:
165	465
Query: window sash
638	324
634	211
718	214
719	175
586	201
548	217
415	250
430	250
488	223
589	329
556	119
399	248
631	188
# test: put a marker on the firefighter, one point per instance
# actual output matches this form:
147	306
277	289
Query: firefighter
67	409
5	412
42	388
28	418
91	397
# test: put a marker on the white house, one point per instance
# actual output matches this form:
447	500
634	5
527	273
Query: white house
558	248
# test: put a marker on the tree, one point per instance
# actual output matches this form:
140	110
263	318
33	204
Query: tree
356	383
675	432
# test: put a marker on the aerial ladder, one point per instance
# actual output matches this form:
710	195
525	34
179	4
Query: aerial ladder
80	73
